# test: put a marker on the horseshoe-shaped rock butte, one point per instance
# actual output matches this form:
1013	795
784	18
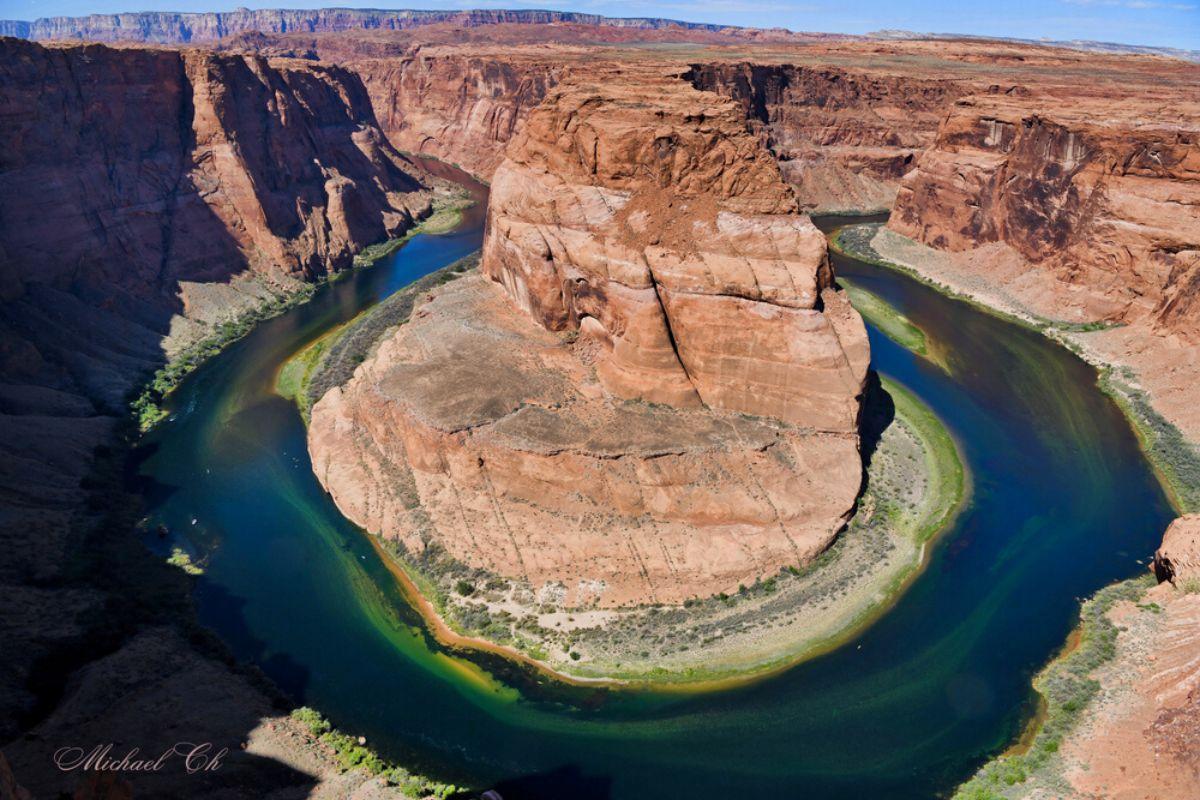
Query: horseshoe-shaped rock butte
649	391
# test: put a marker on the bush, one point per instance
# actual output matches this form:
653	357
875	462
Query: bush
351	754
311	719
1068	688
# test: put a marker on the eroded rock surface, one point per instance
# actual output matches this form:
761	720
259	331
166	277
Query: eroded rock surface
167	27
476	429
844	138
459	108
1101	196
1178	560
652	391
645	216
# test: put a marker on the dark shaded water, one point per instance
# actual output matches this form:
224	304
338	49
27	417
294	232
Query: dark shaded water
1063	503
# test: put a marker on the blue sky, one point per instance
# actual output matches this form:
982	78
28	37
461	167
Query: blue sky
1170	23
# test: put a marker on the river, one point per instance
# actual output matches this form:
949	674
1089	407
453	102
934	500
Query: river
1063	502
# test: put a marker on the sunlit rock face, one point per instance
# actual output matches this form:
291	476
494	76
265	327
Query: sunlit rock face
644	214
1178	559
649	394
1100	194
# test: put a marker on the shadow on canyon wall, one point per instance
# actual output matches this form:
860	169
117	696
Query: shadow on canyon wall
878	412
117	190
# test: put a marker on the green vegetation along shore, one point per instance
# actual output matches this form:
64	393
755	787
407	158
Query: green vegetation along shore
1066	688
886	318
1175	460
917	482
352	753
146	405
854	241
330	360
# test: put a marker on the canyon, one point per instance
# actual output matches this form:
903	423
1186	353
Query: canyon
645	272
148	198
648	270
183	28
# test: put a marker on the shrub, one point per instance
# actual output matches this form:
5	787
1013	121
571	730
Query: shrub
311	719
351	754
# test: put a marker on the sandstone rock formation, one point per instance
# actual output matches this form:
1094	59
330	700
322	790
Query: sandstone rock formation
480	432
1102	198
145	193
459	108
654	397
182	28
650	220
844	137
1178	560
131	178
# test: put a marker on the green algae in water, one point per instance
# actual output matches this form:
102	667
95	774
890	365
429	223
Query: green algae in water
1063	503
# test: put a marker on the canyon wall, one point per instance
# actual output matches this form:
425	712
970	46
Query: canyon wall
136	183
1102	197
460	108
181	28
844	138
146	194
672	381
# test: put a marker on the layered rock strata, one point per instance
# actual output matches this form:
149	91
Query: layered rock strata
183	28
460	108
652	391
844	137
146	195
1103	199
651	221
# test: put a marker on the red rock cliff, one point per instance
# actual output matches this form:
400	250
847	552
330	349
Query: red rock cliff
641	245
843	137
645	215
460	108
1101	194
